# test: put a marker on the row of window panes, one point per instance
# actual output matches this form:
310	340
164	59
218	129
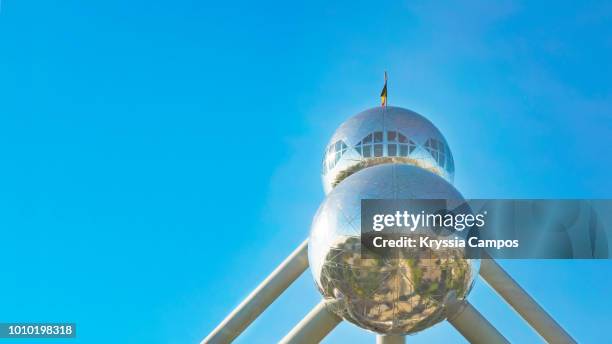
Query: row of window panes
392	136
335	151
365	148
376	150
438	151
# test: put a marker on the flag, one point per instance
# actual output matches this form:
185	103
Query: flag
383	94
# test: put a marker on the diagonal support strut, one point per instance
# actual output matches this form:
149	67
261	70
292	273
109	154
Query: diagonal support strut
314	327
522	303
274	285
473	326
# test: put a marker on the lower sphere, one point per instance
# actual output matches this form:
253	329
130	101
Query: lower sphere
397	295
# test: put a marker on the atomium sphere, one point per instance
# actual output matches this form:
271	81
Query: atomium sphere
385	135
385	295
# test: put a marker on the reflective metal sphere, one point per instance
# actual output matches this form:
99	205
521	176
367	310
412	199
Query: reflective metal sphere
385	135
384	295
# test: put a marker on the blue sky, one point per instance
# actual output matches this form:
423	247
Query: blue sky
160	158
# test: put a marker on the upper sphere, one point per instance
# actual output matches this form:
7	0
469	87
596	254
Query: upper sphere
385	135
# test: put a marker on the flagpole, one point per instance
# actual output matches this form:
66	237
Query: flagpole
383	98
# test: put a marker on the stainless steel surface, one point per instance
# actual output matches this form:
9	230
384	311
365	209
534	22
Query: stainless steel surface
473	326
385	135
261	297
522	303
387	296
390	339
314	327
385	153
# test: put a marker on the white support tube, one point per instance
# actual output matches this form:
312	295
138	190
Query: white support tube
473	326
314	327
390	339
261	297
522	303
